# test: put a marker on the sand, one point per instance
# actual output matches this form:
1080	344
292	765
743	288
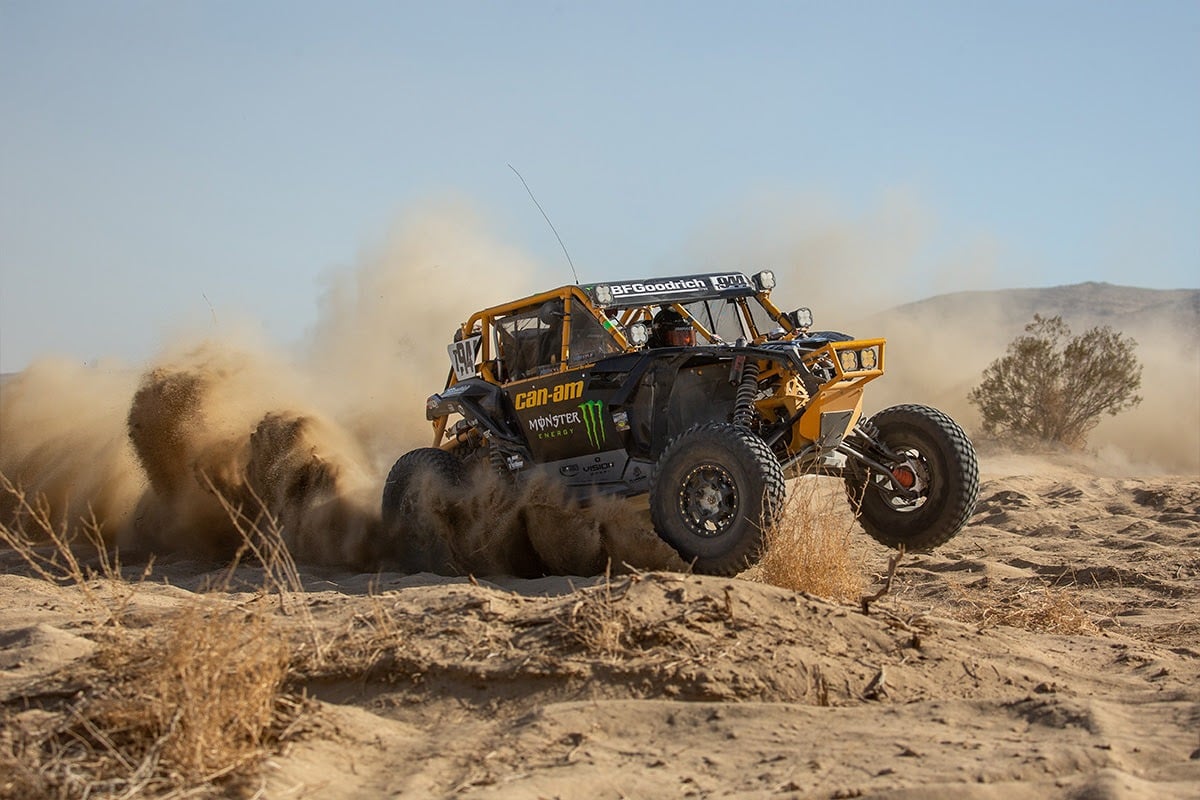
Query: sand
962	682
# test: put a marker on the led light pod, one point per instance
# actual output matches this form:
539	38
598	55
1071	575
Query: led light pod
765	280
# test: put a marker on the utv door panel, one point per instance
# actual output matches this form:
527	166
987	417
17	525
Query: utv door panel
562	419
671	398
700	394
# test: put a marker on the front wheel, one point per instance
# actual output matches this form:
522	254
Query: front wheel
930	457
715	489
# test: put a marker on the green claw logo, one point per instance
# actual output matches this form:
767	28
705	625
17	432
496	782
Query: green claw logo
593	420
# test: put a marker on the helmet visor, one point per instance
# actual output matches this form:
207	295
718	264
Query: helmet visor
681	337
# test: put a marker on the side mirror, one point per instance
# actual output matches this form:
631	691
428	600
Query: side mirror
801	318
550	312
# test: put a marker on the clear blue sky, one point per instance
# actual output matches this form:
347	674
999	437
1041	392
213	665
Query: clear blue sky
156	157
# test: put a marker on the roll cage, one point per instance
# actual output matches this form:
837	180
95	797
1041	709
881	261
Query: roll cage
577	325
571	328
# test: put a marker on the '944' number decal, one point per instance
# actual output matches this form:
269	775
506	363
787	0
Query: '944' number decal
462	356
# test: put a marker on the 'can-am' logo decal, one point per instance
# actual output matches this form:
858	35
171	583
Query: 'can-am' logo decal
593	420
547	394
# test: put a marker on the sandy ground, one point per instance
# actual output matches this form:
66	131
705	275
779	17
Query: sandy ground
668	685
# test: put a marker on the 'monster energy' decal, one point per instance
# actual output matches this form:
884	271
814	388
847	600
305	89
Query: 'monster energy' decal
552	426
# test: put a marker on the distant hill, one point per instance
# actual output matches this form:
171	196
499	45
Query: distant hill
1083	305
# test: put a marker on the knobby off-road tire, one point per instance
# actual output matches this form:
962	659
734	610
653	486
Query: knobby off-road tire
943	461
715	489
414	478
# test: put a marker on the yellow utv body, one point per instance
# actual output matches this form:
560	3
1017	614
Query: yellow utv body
701	392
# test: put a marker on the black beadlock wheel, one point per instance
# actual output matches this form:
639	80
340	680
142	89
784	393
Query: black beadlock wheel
715	489
937	462
424	470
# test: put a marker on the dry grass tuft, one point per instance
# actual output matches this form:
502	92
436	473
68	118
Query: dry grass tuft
1045	609
369	642
597	623
52	552
809	548
190	707
194	704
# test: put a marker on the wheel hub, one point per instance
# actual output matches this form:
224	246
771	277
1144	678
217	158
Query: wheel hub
911	475
905	476
708	499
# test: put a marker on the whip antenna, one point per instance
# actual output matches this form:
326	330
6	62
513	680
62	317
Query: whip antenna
548	222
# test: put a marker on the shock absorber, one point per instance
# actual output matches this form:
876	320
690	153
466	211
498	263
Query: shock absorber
747	390
497	460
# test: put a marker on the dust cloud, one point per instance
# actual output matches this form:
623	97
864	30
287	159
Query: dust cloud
227	442
843	266
938	362
62	436
378	348
489	526
1163	432
220	437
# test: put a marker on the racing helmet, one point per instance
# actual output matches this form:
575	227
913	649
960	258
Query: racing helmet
671	329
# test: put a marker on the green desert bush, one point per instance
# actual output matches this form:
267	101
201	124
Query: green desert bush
1051	387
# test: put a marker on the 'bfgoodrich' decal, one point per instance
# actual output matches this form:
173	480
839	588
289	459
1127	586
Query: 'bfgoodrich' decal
658	287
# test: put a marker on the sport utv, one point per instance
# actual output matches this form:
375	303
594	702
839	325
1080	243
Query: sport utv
699	391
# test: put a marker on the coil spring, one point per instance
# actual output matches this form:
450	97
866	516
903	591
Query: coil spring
743	403
867	430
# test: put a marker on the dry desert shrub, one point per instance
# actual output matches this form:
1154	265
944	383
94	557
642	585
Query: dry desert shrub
1045	609
809	548
600	623
203	698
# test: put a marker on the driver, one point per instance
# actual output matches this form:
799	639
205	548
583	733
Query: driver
671	329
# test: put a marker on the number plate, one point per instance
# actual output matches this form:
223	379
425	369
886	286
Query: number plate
463	355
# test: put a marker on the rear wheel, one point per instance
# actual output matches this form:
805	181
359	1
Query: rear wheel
932	459
715	489
418	478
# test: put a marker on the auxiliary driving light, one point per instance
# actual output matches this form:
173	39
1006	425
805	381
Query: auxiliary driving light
869	358
638	334
765	280
801	318
604	295
849	359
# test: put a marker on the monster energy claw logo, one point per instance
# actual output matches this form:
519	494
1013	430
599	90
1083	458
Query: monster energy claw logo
593	420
